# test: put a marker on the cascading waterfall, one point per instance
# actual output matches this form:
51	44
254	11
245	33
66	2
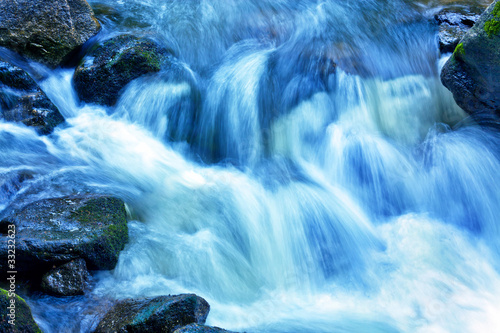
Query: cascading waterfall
306	173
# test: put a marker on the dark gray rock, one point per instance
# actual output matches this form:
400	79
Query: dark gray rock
69	279
454	22
472	74
113	64
47	31
156	314
195	328
55	231
16	78
22	316
22	100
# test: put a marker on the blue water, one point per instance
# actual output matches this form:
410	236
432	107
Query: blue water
308	173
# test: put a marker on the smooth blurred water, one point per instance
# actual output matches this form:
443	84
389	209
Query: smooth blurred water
306	173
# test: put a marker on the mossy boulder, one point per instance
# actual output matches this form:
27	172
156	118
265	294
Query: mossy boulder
22	100
110	66
69	279
47	31
472	74
196	328
22	317
52	232
163	314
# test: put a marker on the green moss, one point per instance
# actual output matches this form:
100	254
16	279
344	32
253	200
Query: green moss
100	210
109	216
459	50
24	319
115	234
4	292
492	27
496	10
103	251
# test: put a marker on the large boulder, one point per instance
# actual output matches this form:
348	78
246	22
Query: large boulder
15	314
155	314
52	232
472	74
196	328
22	100
69	279
110	66
47	31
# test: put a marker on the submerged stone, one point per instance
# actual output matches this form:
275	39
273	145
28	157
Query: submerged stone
155	314
109	67
66	280
47	31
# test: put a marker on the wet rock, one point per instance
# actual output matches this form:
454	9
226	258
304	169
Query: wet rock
22	100
113	64
454	24
34	110
23	318
16	78
47	31
155	314
55	231
472	74
66	280
195	328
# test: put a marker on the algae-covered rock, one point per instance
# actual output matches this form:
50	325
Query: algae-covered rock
195	328
22	100
66	280
47	31
113	64
15	314
472	74
156	314
55	231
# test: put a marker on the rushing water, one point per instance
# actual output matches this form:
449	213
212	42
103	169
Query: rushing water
309	174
